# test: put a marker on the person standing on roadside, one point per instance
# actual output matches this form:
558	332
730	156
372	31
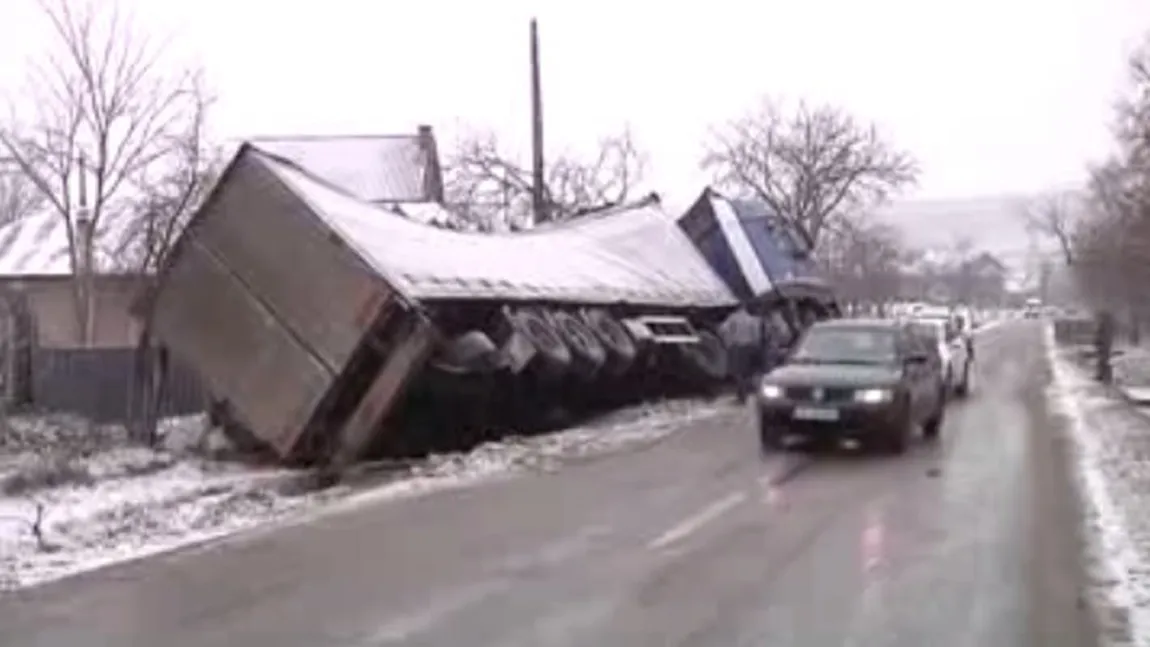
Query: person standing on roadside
1104	347
775	340
741	332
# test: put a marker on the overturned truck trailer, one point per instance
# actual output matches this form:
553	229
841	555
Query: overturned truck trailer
308	311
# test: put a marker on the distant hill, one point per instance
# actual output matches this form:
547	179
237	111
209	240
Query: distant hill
991	223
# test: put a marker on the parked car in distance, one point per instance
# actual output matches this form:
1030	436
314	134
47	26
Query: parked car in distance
870	380
1033	309
953	347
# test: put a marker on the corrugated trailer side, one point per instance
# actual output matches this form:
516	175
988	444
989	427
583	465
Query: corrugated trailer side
283	319
275	245
244	354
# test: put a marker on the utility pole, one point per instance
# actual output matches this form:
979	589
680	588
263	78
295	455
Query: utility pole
82	250
539	206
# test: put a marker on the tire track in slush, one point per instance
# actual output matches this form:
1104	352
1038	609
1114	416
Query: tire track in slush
792	466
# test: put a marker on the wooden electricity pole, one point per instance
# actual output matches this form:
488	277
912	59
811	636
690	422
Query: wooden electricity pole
539	207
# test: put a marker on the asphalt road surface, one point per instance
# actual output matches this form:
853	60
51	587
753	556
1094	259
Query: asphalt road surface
696	541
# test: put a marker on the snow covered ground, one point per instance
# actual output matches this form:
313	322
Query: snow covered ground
1112	442
75	497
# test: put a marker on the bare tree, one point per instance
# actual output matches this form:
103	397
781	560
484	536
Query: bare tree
19	198
1132	122
103	114
865	260
169	194
813	166
1054	217
491	189
1111	241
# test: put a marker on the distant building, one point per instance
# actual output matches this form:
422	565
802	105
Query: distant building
36	268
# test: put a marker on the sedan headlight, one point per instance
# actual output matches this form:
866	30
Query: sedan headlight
873	396
771	391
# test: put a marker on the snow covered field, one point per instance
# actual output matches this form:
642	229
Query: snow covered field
74	497
1112	447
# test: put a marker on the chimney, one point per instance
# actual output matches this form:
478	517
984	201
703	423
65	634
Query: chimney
432	171
83	233
83	225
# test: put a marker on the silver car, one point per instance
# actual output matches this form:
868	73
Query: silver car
954	348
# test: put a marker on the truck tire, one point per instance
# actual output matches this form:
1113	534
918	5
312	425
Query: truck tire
587	353
708	357
617	343
552	357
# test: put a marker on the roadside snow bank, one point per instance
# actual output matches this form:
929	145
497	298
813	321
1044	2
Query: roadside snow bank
77	498
1131	366
74	497
1112	447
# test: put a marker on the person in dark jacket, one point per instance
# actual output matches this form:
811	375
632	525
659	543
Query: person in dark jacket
1104	347
775	341
741	334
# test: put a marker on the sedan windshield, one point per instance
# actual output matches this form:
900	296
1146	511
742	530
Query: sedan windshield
935	331
846	346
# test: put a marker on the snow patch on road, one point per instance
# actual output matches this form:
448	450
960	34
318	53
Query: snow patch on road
1112	448
100	501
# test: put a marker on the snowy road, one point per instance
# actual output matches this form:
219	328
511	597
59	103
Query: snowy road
694	541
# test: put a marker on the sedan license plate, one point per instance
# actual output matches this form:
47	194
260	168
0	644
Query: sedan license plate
820	414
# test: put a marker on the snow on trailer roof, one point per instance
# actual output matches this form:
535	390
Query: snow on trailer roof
376	168
634	255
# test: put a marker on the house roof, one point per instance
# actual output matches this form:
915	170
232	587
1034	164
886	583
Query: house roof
428	213
37	245
989	261
632	255
375	168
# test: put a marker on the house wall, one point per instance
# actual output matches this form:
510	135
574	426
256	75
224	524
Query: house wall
53	306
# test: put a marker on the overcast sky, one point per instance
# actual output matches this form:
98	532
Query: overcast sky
991	95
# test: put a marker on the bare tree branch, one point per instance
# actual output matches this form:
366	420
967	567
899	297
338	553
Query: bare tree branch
100	106
169	193
1111	239
19	198
490	189
1055	217
813	166
865	260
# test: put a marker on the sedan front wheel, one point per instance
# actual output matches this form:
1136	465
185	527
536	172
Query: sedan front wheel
770	440
896	439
